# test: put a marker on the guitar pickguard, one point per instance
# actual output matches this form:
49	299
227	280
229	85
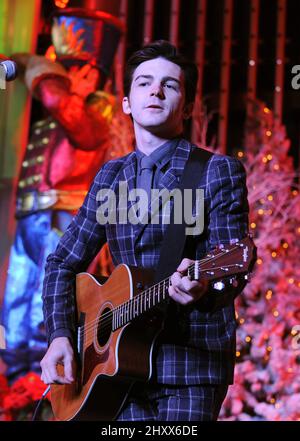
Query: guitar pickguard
92	359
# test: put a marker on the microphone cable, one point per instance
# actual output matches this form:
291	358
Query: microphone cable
39	404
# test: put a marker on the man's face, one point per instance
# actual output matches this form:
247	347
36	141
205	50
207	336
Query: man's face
157	98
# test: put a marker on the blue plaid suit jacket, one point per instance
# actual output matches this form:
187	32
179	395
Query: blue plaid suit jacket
199	344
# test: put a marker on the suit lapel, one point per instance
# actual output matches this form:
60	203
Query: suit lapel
126	175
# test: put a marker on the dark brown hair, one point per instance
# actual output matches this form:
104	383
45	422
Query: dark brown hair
163	49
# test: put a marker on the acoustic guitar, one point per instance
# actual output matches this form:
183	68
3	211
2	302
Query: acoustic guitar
118	323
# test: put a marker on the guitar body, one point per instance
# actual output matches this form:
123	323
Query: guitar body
109	361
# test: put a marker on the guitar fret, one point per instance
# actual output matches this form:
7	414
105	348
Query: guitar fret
121	316
125	314
161	287
117	318
126	318
136	307
131	310
166	286
141	303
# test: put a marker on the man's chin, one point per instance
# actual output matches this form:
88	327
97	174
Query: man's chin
160	128
163	132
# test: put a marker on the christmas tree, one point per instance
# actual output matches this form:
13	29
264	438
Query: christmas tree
267	384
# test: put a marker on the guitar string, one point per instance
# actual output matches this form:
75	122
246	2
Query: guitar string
142	295
106	323
106	318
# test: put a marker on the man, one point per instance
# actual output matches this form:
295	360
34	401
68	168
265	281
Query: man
194	356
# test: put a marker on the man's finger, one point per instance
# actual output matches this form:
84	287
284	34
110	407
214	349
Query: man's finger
68	369
176	296
188	284
185	263
176	278
181	283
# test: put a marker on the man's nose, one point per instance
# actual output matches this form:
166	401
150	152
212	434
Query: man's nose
157	90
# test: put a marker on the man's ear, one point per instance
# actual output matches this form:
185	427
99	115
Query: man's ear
188	110
126	106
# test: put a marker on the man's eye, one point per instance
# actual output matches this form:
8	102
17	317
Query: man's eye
170	86
143	84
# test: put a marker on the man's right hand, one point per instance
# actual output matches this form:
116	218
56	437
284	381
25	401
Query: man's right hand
60	351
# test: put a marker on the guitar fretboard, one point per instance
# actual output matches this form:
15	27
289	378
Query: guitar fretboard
214	266
147	300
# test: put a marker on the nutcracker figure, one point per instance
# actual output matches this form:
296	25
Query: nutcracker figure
64	152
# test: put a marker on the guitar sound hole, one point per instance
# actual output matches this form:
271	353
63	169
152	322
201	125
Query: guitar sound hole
104	326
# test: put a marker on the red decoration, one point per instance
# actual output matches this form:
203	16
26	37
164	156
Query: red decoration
18	400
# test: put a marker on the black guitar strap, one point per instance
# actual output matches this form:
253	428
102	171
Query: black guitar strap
175	236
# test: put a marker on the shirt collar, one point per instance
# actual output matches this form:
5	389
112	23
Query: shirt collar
162	155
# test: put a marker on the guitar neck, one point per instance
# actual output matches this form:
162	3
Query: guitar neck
148	299
225	261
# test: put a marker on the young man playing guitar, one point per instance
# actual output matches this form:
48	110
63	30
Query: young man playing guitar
193	357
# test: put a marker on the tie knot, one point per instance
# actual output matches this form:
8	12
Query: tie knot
147	162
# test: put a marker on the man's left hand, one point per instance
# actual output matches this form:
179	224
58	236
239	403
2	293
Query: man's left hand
184	290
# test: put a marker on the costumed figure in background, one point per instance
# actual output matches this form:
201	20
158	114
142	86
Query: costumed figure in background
64	153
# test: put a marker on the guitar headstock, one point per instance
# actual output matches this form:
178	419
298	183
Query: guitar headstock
228	260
